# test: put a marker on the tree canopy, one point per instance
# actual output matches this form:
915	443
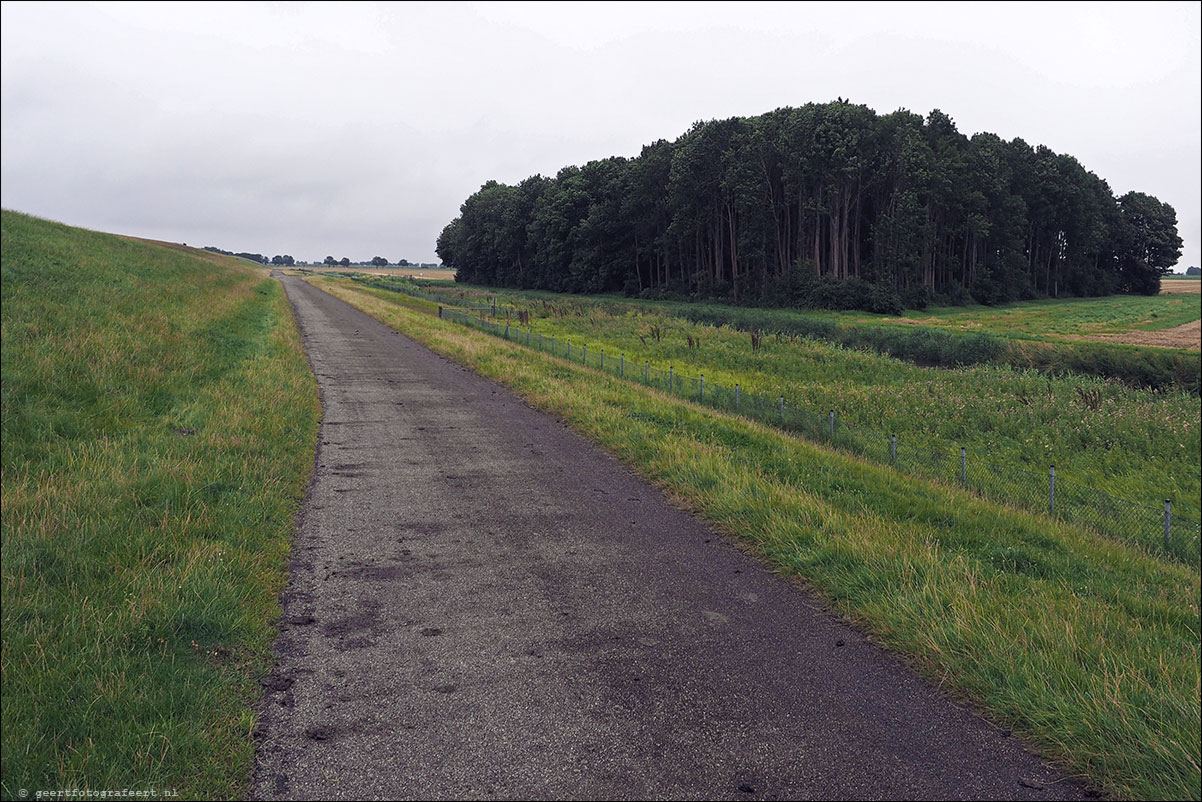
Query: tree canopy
826	205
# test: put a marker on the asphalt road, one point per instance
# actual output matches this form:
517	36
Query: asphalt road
483	604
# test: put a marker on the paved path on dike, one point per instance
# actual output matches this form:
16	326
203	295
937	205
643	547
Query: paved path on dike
483	604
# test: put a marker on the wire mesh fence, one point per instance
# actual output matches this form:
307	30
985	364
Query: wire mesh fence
1153	527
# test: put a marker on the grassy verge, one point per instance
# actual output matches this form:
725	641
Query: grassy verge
159	418
1088	647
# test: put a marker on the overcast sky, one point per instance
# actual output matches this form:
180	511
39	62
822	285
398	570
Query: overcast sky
358	130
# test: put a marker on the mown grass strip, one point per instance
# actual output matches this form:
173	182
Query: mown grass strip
159	420
1089	648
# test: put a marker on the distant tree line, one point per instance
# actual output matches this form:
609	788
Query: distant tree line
827	205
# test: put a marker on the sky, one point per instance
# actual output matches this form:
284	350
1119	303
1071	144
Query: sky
358	130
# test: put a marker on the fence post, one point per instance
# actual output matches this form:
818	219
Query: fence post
584	354
701	388
540	341
552	345
494	307
506	329
782	407
440	312
622	367
832	423
893	448
647	372
1168	520
602	359
671	379
736	396
1052	491
963	467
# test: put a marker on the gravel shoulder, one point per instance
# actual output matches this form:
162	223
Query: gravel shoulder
482	604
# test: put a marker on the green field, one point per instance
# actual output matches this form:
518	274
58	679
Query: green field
1086	647
159	420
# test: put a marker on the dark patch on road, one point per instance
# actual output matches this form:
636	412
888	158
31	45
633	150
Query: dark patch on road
483	609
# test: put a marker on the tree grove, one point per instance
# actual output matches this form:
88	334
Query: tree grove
823	205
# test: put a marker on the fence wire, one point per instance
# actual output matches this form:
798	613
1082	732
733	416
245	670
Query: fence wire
1155	528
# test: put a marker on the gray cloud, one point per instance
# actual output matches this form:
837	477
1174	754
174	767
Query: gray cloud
358	130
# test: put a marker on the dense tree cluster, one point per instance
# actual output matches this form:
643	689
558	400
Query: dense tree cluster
824	205
254	257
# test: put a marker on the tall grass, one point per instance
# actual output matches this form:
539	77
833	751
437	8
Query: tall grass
1086	647
159	419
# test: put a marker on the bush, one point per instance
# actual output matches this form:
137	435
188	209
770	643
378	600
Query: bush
955	295
825	292
917	297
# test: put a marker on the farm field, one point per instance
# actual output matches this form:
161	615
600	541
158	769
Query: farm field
1135	319
1139	445
159	420
407	272
1182	284
1085	646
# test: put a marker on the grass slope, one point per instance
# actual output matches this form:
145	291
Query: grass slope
159	419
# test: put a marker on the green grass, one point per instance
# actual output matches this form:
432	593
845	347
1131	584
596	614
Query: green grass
1044	319
1086	647
159	419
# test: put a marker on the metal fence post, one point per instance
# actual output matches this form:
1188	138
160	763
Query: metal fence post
602	359
832	423
893	448
782	407
584	354
622	367
1052	491
736	396
671	379
506	329
1168	520
540	341
440	313
701	388
646	373
963	467
552	345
